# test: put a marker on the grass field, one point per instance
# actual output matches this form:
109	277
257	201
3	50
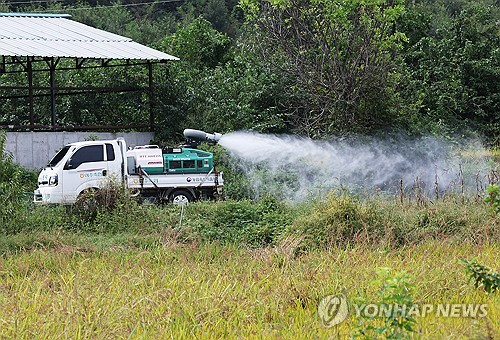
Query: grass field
174	290
241	269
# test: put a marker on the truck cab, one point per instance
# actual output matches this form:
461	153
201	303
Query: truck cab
78	167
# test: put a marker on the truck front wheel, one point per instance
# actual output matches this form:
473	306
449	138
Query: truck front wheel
181	197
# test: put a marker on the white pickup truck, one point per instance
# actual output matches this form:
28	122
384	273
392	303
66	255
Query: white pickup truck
179	175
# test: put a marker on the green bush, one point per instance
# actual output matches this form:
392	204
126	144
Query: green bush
482	276
16	187
338	220
493	198
245	222
394	293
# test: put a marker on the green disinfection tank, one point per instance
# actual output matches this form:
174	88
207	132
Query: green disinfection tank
187	161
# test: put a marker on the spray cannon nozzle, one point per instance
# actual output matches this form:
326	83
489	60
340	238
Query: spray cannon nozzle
202	136
194	137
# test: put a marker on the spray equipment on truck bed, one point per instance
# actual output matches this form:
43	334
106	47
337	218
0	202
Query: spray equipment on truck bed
183	160
148	157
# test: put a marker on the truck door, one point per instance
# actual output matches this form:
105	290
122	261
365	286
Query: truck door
114	161
85	169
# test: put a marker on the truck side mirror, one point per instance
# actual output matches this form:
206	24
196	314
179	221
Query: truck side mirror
68	165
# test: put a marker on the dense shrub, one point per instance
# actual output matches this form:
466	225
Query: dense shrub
482	276
16	185
253	223
493	198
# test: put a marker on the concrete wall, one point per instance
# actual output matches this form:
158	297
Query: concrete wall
35	149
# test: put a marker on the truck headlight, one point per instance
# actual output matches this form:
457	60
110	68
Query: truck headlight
53	180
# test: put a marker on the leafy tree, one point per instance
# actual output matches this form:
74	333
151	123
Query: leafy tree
199	44
148	28
224	15
452	68
201	48
216	87
338	57
236	96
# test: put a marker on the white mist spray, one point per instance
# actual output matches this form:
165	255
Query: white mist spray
297	167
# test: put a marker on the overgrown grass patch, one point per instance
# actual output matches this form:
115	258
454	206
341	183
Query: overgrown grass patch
343	220
339	220
240	222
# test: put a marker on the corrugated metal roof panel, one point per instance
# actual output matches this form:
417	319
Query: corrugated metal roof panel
78	49
36	15
56	36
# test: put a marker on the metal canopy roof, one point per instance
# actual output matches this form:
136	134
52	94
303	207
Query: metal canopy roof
52	35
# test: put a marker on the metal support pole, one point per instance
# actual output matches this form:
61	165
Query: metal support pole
29	69
53	92
151	97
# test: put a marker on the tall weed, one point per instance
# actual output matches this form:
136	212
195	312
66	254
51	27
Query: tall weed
395	295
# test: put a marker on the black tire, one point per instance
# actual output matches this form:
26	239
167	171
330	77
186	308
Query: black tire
86	205
179	197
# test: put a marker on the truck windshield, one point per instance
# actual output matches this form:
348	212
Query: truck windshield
60	155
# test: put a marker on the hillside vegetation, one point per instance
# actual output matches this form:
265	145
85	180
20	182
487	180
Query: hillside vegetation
316	68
